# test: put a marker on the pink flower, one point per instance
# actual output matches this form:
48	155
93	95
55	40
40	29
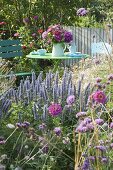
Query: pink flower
55	109
16	34
99	97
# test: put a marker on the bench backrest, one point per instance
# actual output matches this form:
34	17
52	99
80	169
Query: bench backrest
10	48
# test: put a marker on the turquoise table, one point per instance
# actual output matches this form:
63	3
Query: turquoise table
48	56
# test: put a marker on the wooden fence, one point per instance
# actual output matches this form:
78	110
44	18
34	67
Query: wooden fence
84	37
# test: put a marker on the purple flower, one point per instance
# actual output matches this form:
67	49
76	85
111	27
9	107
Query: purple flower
55	109
81	129
111	125
99	97
111	145
19	125
110	77
99	121
42	126
86	164
98	79
91	158
26	20
68	37
82	12
34	35
104	160
87	120
25	124
2	142
90	126
101	148
81	114
58	38
70	99
35	17
57	131
16	34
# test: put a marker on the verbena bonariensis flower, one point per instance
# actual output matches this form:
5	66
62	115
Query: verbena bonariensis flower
55	109
98	79
110	77
42	126
70	99
99	97
35	17
81	114
104	160
86	164
101	148
25	20
82	12
57	131
111	125
99	121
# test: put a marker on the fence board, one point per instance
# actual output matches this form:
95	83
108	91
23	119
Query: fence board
84	37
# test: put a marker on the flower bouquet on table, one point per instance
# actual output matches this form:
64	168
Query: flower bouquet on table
57	35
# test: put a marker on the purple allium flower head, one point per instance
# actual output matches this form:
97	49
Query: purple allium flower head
35	17
26	20
99	97
68	37
86	164
81	114
98	85
110	77
82	12
55	109
101	148
98	79
42	126
99	121
58	38
70	99
57	131
111	125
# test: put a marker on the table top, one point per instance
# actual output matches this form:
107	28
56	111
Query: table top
66	56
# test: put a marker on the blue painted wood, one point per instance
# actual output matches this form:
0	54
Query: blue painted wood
9	42
11	48
11	54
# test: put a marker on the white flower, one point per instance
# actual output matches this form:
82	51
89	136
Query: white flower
11	126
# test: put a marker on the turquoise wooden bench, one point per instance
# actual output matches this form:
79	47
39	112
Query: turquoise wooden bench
10	49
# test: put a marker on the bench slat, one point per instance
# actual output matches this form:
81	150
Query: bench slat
11	54
11	48
9	42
